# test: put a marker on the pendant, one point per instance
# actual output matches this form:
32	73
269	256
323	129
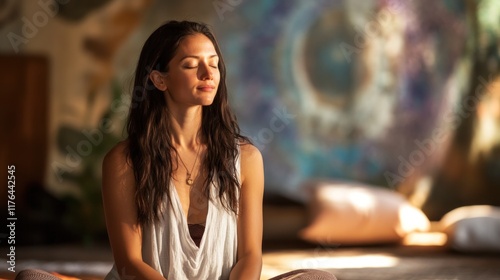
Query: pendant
189	181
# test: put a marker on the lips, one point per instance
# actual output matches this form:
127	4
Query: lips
206	88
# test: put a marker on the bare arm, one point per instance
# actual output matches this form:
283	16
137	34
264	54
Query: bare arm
118	191
249	263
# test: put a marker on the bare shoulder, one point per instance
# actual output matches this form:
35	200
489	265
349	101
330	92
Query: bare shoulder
116	168
250	153
252	164
117	154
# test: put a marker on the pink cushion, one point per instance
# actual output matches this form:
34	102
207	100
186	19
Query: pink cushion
353	213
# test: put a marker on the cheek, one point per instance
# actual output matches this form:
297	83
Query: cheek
217	77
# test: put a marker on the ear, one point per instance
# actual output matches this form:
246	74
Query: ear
158	80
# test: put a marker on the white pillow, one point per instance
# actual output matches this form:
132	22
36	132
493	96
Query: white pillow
354	214
473	228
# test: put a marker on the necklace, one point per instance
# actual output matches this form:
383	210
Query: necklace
189	180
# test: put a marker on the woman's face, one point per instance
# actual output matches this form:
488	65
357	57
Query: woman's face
193	75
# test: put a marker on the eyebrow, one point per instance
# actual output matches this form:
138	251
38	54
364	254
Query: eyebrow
198	57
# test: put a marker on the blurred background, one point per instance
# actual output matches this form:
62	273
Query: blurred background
403	95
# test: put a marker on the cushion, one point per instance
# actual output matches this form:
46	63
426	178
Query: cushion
346	213
473	228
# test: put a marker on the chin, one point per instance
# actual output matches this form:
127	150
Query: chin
207	102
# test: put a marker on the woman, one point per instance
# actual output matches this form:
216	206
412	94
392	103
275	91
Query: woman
182	149
183	193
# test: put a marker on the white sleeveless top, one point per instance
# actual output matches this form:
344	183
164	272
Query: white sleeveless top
168	247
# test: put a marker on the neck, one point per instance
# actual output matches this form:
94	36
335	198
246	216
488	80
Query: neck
186	124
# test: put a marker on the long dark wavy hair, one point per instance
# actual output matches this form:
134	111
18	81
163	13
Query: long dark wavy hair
150	146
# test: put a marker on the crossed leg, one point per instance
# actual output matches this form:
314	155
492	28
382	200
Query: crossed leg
305	274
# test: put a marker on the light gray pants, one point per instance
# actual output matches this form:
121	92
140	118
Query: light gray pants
299	274
35	274
305	274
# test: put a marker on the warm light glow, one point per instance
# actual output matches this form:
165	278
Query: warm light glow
487	126
464	212
422	191
425	239
411	219
362	200
282	262
326	262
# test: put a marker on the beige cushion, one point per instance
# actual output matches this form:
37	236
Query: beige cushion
352	213
473	228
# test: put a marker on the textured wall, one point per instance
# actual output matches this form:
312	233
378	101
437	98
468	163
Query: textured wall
358	87
357	90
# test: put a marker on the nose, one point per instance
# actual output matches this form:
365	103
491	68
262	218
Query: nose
206	72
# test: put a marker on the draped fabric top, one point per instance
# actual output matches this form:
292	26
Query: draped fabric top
168	248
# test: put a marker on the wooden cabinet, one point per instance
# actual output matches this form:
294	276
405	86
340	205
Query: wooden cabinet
24	100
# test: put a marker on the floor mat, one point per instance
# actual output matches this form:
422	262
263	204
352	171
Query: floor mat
398	262
349	263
